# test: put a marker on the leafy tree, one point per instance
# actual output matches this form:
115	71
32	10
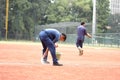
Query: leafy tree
103	13
70	10
24	15
114	23
16	19
2	18
82	10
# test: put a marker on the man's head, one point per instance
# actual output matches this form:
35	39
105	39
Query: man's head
63	37
83	23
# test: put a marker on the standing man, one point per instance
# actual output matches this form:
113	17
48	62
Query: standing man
81	32
48	39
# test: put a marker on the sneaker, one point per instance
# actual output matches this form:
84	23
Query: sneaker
44	61
80	52
57	64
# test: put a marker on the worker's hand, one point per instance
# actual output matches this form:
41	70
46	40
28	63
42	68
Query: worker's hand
56	45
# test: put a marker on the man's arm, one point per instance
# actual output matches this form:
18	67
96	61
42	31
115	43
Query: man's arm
46	53
88	35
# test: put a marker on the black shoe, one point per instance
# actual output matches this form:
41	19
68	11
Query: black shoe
57	64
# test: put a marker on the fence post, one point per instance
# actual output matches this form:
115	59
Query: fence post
118	43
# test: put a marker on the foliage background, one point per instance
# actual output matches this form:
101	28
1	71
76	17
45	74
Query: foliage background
24	15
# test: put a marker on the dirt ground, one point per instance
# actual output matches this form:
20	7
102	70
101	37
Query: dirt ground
21	61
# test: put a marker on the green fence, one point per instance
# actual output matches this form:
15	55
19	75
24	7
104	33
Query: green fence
98	41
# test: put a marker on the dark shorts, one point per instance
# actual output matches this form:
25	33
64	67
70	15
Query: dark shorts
79	43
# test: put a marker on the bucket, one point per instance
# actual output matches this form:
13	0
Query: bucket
58	55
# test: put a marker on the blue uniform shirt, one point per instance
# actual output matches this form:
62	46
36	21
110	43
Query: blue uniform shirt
81	32
53	34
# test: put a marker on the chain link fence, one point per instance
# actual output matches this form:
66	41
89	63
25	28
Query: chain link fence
31	31
101	41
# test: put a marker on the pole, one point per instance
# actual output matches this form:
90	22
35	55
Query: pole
6	21
94	21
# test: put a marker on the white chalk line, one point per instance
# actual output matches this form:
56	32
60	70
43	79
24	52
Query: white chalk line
18	63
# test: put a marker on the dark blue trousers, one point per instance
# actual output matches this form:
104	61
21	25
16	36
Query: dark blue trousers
48	43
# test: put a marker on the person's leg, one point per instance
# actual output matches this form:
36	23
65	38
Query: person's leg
44	50
42	37
45	55
52	49
79	45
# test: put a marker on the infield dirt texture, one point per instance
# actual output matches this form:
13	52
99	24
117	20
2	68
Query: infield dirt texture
21	61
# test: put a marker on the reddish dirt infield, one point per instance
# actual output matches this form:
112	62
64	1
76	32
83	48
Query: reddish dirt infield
21	61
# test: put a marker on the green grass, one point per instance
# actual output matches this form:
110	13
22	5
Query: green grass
60	43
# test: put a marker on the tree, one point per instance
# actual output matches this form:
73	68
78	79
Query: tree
24	15
17	24
2	18
70	10
103	13
114	23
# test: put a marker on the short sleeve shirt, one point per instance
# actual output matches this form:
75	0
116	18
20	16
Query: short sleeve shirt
81	32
